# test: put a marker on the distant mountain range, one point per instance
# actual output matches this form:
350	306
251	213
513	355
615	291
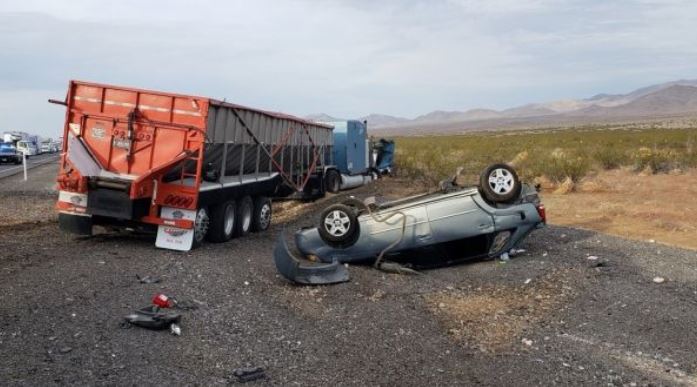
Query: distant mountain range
677	98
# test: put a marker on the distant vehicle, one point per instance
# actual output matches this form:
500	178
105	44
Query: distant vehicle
9	154
49	147
28	148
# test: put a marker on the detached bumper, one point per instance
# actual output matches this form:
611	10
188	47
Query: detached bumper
306	272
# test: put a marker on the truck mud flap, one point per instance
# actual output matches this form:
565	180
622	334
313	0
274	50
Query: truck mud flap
75	224
306	272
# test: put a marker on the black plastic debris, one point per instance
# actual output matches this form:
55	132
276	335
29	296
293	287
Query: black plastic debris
151	317
244	375
148	279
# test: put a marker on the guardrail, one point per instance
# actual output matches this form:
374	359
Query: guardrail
20	168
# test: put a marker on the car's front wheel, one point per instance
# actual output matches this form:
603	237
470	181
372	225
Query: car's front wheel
339	225
499	183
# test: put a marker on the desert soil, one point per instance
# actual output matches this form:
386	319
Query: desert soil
551	315
660	207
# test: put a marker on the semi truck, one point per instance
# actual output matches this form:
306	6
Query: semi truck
190	168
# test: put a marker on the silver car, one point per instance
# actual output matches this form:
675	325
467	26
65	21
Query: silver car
432	229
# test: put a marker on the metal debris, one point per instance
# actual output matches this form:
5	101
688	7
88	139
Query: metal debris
249	374
148	279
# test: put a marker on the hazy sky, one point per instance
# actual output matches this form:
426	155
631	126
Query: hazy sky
344	58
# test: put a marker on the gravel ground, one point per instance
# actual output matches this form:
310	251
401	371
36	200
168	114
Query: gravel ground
548	316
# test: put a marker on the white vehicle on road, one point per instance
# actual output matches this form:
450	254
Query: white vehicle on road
28	148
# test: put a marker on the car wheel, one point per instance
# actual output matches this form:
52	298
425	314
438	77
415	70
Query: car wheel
222	222
245	208
262	214
332	181
201	226
339	225
499	183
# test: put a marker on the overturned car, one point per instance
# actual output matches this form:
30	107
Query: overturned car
453	224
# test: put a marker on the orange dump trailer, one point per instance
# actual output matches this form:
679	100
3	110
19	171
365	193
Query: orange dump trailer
190	168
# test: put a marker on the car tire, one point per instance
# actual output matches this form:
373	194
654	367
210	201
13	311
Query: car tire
332	181
223	221
261	219
338	226
499	183
245	210
18	161
201	227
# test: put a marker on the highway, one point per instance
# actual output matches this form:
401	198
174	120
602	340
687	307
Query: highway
7	169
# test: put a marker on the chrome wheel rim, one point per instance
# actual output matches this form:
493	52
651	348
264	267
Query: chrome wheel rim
337	223
501	181
201	224
265	216
229	219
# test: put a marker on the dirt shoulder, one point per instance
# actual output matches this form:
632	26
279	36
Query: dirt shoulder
660	207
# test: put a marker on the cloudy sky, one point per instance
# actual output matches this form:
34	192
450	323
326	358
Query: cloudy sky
344	58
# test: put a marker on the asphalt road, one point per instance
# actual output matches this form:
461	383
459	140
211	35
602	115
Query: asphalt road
7	169
549	316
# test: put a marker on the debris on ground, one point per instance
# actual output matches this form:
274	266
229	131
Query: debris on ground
504	257
659	280
600	263
151	317
175	329
249	374
515	252
163	301
148	279
395	268
592	258
527	342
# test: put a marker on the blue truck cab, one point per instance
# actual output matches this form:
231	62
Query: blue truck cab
351	150
355	158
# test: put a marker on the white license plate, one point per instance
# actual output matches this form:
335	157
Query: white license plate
174	238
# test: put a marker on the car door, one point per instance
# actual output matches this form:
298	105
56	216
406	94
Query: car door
457	216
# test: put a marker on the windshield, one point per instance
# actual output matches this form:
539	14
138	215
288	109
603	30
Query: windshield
7	147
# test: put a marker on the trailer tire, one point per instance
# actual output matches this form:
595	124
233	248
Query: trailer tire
223	222
338	226
245	210
201	227
261	220
332	181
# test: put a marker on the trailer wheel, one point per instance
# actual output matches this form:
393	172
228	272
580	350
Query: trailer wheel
339	226
245	209
223	222
262	214
332	181
201	225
